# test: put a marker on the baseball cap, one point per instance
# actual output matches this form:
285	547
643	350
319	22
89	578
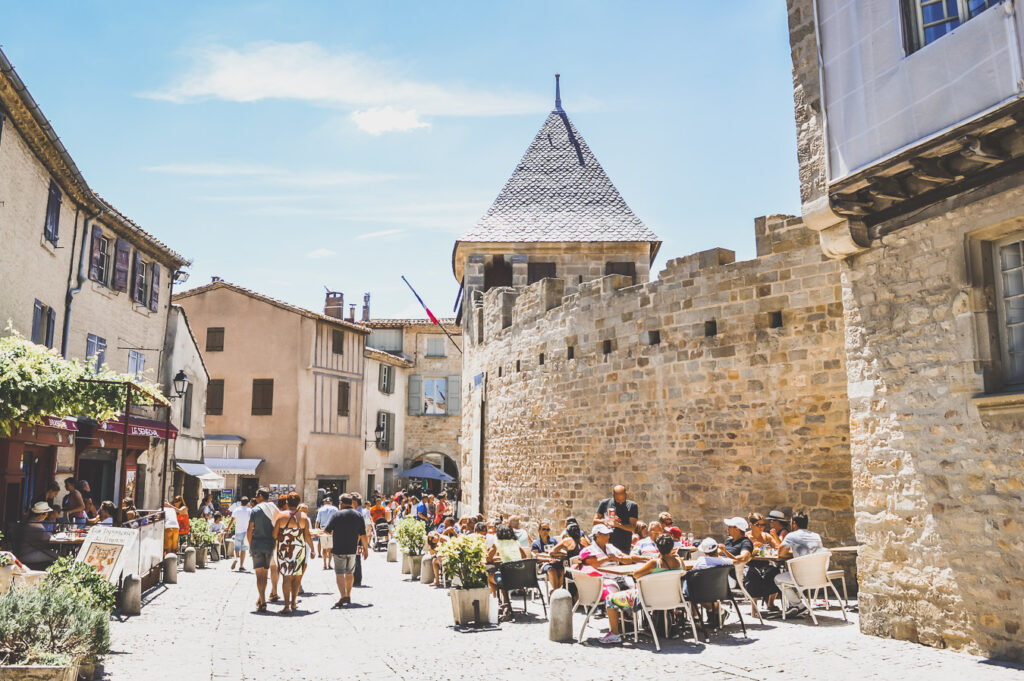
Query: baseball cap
675	532
738	522
601	529
708	545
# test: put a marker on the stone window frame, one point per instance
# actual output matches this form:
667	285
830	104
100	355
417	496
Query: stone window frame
1016	382
983	303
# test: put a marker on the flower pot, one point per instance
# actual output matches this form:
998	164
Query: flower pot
414	566
6	578
462	605
34	673
201	557
406	569
87	669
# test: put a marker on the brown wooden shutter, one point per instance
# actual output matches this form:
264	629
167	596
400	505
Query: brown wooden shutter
51	227
215	397
154	290
96	254
186	408
215	339
262	396
51	321
122	264
37	322
343	398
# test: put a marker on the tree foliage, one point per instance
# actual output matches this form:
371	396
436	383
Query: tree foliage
35	382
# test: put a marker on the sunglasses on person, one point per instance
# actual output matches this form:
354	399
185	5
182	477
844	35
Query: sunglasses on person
547	529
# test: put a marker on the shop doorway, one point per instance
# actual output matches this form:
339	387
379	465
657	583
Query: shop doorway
98	467
37	465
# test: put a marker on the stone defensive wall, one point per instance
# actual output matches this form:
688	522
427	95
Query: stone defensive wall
715	390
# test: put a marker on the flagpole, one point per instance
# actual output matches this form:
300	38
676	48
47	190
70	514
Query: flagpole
429	313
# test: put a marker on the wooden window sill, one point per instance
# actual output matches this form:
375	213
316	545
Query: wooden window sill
999	402
47	246
103	290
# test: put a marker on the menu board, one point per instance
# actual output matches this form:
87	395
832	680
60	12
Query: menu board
105	549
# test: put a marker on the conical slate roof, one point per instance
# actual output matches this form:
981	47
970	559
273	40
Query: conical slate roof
559	193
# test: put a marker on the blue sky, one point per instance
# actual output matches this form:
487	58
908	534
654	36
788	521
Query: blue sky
292	146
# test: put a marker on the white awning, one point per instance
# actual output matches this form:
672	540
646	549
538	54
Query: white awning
207	478
233	466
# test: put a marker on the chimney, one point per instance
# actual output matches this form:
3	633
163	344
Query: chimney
334	305
366	307
352	312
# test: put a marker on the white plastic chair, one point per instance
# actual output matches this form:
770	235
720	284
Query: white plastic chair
746	594
588	594
661	592
808	574
833	575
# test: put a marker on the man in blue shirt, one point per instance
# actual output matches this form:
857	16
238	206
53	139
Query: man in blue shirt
323	517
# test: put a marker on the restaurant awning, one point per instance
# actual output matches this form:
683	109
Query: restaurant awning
208	478
140	426
63	423
233	466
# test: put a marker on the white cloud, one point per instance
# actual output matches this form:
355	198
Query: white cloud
380	234
381	97
387	119
320	254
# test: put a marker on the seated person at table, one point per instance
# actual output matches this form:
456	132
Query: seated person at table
799	542
602	553
563	552
648	545
105	515
677	535
623	601
34	549
506	549
711	558
544	541
737	547
778	528
638	534
759	531
665	518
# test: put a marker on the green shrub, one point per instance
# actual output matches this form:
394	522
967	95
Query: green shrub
463	557
411	535
200	532
84	581
50	626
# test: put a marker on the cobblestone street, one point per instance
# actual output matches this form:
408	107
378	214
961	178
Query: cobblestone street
206	627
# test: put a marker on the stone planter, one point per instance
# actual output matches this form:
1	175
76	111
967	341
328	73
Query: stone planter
6	578
87	669
34	673
201	554
462	605
405	564
414	566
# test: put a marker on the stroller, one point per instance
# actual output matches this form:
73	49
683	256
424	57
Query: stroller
381	535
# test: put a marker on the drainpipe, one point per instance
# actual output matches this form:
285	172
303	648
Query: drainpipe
68	280
81	281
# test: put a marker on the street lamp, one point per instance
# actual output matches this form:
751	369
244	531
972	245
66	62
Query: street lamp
378	434
180	383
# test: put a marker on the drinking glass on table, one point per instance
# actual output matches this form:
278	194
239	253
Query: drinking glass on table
689	538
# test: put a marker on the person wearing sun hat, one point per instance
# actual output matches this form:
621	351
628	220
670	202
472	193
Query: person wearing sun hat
738	546
35	549
778	527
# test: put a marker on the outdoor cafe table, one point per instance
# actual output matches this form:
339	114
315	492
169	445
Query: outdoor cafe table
68	546
628	570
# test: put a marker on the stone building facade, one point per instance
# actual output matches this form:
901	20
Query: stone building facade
911	175
717	389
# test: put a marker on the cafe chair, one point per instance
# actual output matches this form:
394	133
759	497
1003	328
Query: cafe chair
661	592
588	589
807	574
745	594
840	575
711	585
522	574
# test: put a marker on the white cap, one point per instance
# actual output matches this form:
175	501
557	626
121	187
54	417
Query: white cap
708	545
738	522
601	529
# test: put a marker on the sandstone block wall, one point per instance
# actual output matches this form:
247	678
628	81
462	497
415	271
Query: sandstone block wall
705	426
938	482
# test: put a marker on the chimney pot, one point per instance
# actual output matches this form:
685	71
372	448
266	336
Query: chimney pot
334	305
366	307
352	312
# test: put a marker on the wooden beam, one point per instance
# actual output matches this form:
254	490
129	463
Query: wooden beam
887	188
932	170
976	149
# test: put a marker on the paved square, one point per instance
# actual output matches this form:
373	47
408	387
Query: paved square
206	627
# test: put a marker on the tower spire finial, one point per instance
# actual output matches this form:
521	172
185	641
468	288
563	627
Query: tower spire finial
558	94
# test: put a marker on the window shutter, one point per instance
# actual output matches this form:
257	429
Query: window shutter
391	380
101	352
215	397
52	224
154	291
37	321
390	442
454	395
343	398
122	262
96	254
382	378
186	408
415	395
138	279
51	321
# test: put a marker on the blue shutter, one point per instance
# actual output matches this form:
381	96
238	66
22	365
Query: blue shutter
97	253
51	321
154	292
37	320
138	279
454	395
52	222
415	395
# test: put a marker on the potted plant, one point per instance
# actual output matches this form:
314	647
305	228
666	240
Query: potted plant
46	632
462	558
411	535
202	539
88	586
